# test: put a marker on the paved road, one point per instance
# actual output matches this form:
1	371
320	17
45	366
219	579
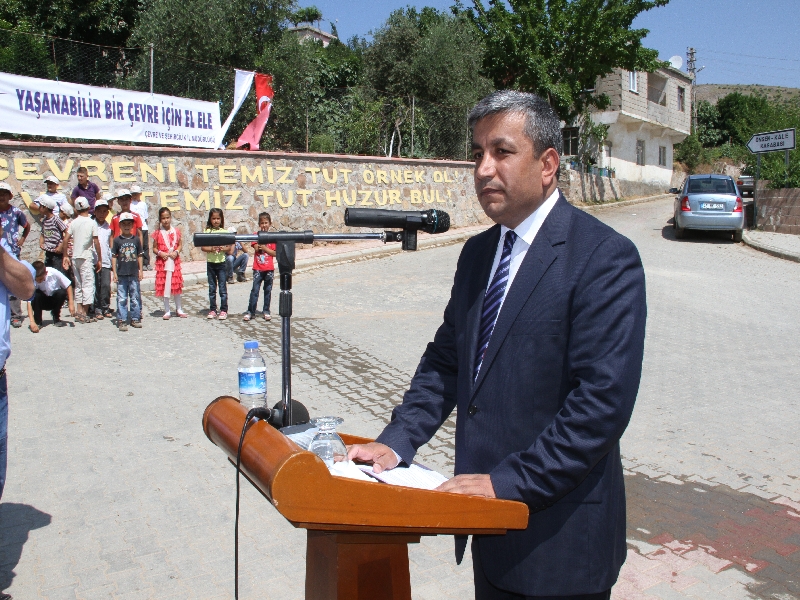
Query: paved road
114	491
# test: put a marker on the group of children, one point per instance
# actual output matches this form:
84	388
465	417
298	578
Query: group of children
92	250
86	248
221	261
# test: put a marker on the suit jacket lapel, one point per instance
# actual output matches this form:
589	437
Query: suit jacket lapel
479	280
536	262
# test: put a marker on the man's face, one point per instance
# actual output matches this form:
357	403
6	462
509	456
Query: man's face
41	278
510	182
52	188
126	227
82	179
124	203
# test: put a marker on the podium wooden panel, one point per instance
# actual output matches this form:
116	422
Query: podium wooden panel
358	531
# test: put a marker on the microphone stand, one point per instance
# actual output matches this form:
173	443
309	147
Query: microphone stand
285	242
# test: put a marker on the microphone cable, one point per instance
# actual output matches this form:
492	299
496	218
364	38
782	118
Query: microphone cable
264	414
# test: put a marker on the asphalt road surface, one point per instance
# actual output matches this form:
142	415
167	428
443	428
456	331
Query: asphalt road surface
114	492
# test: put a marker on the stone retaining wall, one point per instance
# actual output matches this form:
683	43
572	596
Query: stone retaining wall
779	210
300	191
585	188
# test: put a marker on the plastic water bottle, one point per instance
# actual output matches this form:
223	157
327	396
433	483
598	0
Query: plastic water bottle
252	377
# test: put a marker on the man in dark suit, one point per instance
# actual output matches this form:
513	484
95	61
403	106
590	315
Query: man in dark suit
540	352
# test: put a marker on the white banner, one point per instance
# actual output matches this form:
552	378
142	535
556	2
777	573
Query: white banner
70	110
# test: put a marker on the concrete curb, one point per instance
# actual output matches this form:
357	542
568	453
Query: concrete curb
309	264
772	250
593	207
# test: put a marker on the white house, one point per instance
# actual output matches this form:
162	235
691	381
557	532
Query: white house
648	114
306	32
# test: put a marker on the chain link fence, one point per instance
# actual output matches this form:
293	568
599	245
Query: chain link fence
358	120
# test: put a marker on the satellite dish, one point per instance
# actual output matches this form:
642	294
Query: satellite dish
676	62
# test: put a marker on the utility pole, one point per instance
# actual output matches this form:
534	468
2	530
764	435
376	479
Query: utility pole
692	69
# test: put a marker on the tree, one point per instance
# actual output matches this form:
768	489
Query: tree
309	14
560	48
233	33
708	131
109	22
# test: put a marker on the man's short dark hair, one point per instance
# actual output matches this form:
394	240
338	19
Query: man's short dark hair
542	125
39	267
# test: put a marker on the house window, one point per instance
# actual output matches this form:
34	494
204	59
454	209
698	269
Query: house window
681	99
571	137
640	152
662	156
633	81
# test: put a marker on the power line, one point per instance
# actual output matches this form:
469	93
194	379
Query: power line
749	55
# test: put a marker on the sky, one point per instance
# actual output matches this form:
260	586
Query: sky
737	41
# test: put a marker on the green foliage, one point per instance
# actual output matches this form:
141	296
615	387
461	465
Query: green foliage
24	54
233	33
322	143
108	22
689	152
309	14
708	131
740	116
559	48
428	54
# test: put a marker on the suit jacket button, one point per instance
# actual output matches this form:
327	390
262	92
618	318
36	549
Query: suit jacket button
472	409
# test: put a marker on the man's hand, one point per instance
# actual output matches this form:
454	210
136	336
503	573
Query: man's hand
114	276
141	274
381	456
65	262
470	485
34	327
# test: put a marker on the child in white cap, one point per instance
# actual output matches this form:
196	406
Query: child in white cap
52	184
51	239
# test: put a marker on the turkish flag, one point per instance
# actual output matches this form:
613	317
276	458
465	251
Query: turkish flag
253	132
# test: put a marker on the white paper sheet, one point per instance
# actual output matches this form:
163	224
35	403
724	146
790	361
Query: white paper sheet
415	476
349	469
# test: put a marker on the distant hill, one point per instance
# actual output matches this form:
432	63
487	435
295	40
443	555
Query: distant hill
714	91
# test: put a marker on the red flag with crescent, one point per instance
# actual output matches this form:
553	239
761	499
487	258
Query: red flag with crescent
253	132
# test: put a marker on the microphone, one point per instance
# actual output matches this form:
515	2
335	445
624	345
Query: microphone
429	221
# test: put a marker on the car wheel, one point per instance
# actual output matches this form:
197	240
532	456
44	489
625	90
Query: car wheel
737	236
680	232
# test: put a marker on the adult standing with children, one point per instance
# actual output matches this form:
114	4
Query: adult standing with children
16	278
12	219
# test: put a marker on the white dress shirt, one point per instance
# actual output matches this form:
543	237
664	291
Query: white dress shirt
526	233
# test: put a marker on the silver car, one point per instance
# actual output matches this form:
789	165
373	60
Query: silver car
709	203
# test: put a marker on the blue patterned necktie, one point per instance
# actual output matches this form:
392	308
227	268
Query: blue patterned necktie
493	300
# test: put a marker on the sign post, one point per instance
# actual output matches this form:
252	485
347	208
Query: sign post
769	141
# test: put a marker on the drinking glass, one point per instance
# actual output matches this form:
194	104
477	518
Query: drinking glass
327	444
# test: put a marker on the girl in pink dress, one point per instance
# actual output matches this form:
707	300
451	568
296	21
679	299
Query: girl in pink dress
167	243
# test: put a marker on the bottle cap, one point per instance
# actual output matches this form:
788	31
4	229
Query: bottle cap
251	345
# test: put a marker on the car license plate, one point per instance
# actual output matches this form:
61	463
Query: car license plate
712	206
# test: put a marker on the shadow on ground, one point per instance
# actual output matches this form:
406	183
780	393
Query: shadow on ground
16	520
697	237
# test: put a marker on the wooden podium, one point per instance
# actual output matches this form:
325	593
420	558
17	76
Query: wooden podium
358	531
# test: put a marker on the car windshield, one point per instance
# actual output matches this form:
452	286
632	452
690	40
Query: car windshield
711	186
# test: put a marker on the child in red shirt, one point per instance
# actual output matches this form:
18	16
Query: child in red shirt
263	271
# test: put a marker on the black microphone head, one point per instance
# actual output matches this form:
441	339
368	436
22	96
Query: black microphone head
438	221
